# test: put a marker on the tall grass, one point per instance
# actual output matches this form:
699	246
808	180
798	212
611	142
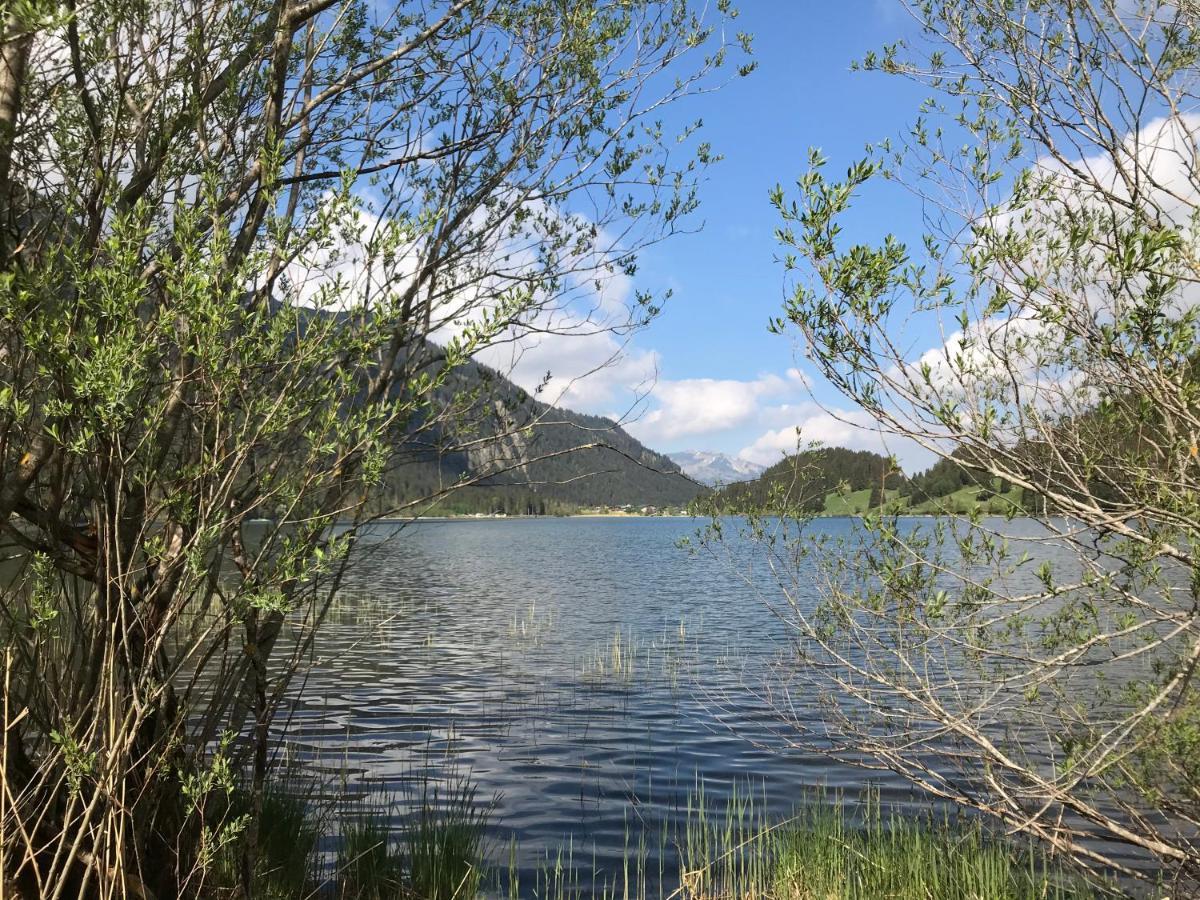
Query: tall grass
640	875
290	830
834	850
728	854
369	866
443	841
831	848
428	846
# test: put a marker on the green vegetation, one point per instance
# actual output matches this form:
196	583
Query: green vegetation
291	824
830	849
1037	320
443	842
831	480
369	864
835	481
854	851
250	252
902	859
248	262
429	845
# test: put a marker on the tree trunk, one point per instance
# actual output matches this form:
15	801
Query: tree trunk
14	60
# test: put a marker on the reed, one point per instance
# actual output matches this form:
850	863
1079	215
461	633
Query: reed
617	660
427	844
290	831
532	627
444	841
369	864
831	848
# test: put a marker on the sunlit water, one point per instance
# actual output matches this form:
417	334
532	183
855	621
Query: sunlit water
588	675
578	669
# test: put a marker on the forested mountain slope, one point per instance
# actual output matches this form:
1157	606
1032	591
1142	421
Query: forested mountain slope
838	481
527	457
811	481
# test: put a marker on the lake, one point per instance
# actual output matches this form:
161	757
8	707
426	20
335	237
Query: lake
588	676
586	673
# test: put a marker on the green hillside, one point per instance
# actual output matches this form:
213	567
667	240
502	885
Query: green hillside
835	481
525	457
826	481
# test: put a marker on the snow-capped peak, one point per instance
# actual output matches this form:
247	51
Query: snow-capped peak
709	467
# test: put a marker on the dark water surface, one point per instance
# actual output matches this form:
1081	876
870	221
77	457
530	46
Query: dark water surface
587	673
589	677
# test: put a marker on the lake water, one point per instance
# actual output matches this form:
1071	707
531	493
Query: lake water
587	675
579	670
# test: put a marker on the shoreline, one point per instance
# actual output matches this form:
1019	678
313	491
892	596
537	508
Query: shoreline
482	517
468	517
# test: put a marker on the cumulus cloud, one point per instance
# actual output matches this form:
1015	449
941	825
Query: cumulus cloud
810	423
1021	350
345	270
691	407
579	352
597	372
1150	179
1035	355
571	347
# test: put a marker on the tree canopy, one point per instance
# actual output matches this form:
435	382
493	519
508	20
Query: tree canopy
244	246
1041	673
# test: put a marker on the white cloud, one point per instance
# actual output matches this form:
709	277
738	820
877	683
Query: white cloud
345	270
1038	355
707	406
588	372
831	428
572	348
810	423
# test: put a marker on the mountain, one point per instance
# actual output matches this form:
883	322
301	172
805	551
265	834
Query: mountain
831	480
712	468
528	457
834	481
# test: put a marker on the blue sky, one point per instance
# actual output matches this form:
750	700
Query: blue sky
720	380
802	95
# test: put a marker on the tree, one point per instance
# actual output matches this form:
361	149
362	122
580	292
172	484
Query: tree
1042	673
244	247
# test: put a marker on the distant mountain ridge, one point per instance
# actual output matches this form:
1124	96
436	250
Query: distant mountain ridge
712	468
836	481
538	455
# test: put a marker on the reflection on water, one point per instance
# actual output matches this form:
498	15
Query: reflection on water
576	668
